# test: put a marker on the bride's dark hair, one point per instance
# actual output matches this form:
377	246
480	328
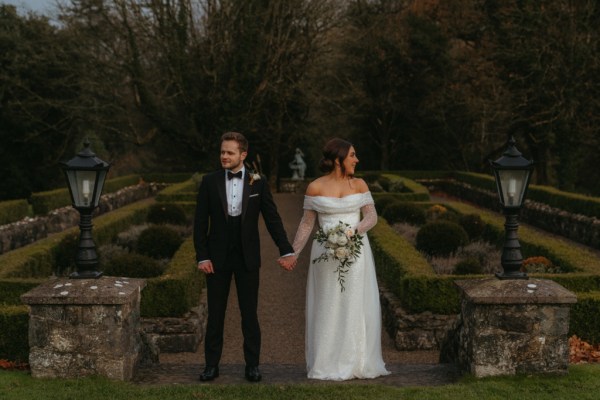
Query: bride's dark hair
335	148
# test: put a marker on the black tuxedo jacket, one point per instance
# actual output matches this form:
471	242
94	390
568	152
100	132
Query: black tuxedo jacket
210	223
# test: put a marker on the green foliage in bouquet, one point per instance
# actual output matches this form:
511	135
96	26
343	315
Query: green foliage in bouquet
342	244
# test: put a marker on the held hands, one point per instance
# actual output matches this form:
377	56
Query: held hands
288	262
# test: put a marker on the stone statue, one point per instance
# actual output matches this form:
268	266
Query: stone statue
298	166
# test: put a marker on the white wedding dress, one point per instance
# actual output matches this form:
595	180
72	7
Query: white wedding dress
343	329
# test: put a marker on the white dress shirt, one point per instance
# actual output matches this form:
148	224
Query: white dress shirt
234	189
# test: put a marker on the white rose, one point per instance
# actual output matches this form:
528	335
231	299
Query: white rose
330	252
341	253
342	240
332	238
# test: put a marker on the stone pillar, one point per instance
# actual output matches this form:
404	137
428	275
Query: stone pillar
514	326
80	327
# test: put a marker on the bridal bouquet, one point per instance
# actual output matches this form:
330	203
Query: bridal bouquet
341	244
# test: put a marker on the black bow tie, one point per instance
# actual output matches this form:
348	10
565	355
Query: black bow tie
231	175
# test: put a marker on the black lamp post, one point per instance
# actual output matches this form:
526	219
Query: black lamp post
512	172
85	175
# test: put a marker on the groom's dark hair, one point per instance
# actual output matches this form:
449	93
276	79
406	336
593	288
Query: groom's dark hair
238	137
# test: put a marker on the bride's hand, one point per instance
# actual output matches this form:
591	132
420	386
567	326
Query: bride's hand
288	262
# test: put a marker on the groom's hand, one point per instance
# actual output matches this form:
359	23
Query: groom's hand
206	267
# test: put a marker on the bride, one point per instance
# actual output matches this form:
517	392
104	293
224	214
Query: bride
343	327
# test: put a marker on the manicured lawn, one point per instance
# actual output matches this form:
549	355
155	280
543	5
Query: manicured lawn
583	382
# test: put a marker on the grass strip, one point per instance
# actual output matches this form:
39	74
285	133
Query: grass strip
582	382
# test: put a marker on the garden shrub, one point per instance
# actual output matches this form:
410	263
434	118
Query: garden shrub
65	253
128	239
166	213
441	238
470	266
133	265
177	290
402	211
384	182
381	202
435	212
110	251
397	186
159	241
473	225
539	264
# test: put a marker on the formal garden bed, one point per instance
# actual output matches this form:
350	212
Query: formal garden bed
418	287
153	239
418	275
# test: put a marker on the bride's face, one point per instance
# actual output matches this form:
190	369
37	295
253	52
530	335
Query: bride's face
350	161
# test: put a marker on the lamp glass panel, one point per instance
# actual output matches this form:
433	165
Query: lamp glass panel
513	184
101	179
82	186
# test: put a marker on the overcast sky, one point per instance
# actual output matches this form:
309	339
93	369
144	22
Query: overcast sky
38	6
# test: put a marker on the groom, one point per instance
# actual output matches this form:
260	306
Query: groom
227	244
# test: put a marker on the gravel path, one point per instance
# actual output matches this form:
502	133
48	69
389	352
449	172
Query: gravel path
281	314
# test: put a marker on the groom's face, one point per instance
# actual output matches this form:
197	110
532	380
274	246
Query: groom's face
231	155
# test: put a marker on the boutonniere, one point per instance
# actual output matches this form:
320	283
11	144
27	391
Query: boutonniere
254	177
254	174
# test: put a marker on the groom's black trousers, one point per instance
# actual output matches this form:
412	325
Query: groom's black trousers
218	285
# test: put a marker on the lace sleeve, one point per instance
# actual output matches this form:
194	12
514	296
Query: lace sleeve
304	230
369	219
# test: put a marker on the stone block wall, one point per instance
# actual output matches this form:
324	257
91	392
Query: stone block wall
29	230
85	327
176	335
513	327
423	331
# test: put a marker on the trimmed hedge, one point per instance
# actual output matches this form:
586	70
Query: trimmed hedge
584	319
44	202
14	338
160	177
38	259
180	192
534	243
408	275
418	175
571	202
417	191
177	290
14	210
116	184
12	289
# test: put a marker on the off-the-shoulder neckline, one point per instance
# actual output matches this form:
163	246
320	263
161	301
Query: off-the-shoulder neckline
337	198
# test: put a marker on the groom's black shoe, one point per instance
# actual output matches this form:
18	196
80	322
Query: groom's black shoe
209	374
253	374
